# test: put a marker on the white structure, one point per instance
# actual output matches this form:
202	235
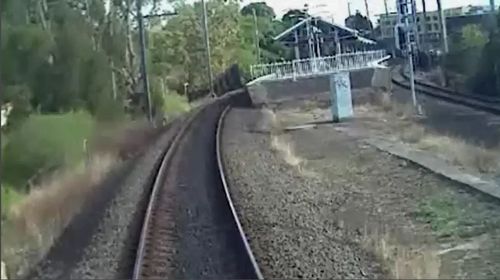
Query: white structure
6	109
319	66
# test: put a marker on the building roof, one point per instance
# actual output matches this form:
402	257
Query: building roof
344	32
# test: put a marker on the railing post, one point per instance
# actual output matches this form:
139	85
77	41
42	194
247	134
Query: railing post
294	74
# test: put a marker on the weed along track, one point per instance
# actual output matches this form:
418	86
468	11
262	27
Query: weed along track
169	216
190	229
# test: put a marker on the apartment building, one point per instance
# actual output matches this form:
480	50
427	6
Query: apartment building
455	19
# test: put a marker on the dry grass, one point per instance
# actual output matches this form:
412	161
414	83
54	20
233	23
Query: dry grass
44	213
413	134
386	102
268	122
381	101
40	217
461	153
285	149
456	151
404	111
123	140
404	262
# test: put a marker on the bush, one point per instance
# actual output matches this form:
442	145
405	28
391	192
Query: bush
19	97
9	197
174	104
44	142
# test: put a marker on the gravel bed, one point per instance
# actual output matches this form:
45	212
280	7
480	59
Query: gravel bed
287	216
315	221
110	251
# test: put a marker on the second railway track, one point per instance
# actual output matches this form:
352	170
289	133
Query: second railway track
492	106
191	229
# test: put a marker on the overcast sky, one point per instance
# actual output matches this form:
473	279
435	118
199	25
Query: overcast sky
339	11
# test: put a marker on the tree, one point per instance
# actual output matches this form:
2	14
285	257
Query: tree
359	22
487	78
473	37
465	50
261	10
177	49
294	16
58	53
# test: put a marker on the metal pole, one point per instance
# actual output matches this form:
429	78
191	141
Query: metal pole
409	49
317	38
412	78
386	9
442	22
414	23
297	51
207	45
367	10
144	75
309	41
257	47
493	15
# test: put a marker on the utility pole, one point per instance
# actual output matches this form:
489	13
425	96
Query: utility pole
309	38
207	45
386	9
367	10
257	45
442	23
493	15
403	21
144	76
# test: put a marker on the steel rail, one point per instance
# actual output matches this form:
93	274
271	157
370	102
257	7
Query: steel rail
158	182
141	257
220	163
444	95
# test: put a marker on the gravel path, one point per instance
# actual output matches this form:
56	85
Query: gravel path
347	200
110	251
286	216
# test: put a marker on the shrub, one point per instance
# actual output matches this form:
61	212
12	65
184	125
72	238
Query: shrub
9	197
174	104
45	142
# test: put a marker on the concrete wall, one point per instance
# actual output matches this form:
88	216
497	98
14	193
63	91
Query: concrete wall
307	88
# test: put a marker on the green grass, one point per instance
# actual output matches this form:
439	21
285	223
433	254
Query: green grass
453	216
44	142
175	105
9	197
442	214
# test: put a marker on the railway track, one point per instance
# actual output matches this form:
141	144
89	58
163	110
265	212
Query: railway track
191	229
491	105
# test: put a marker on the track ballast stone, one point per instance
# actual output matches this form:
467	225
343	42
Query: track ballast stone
286	216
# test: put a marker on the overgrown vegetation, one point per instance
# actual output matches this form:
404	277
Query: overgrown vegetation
70	71
400	118
450	216
474	55
43	143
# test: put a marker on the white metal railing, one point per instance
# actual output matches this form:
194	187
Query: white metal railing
318	66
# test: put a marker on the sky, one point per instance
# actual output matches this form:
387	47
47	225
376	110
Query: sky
338	9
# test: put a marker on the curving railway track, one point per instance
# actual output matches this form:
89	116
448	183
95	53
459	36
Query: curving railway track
491	105
191	229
